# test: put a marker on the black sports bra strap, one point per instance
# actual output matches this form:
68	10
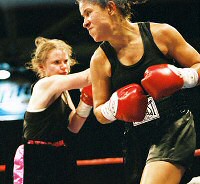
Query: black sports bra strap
147	24
145	29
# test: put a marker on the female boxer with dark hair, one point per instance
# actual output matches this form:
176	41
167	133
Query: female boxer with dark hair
136	59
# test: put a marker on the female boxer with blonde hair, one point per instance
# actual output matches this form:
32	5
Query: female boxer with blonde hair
45	157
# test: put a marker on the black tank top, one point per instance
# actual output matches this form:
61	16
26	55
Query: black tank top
123	75
48	125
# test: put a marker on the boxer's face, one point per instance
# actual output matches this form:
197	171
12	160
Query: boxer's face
57	63
97	20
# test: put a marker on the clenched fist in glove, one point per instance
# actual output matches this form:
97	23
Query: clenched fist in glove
129	104
86	102
163	80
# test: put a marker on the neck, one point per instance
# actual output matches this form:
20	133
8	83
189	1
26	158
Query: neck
124	34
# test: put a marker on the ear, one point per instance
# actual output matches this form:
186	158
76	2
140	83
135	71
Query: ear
41	67
111	7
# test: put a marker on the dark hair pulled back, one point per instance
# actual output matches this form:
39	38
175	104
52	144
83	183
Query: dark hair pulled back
124	6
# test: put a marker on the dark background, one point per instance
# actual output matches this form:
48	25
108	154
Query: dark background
21	21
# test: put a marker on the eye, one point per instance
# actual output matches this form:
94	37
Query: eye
66	61
56	61
87	13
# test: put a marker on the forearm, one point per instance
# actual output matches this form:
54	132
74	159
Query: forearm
78	117
68	82
81	79
87	76
75	122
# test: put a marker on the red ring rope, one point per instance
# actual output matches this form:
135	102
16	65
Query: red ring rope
2	168
197	153
100	161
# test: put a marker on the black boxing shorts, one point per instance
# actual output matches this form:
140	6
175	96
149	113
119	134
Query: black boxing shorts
175	141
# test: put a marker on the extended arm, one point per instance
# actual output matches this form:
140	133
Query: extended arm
49	88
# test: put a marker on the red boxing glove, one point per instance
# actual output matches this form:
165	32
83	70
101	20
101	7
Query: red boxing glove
163	80
86	95
129	104
86	102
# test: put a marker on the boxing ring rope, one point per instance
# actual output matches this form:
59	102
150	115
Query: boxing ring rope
197	153
100	161
2	168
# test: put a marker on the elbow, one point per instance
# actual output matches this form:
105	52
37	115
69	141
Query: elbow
73	130
100	118
76	131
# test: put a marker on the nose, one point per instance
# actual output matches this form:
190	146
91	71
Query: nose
63	66
85	23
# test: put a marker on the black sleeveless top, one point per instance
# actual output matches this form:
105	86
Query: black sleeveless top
48	125
123	75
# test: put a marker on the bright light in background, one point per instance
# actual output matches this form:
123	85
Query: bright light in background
14	92
14	106
4	74
4	71
14	99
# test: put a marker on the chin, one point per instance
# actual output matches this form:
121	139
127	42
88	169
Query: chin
96	39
